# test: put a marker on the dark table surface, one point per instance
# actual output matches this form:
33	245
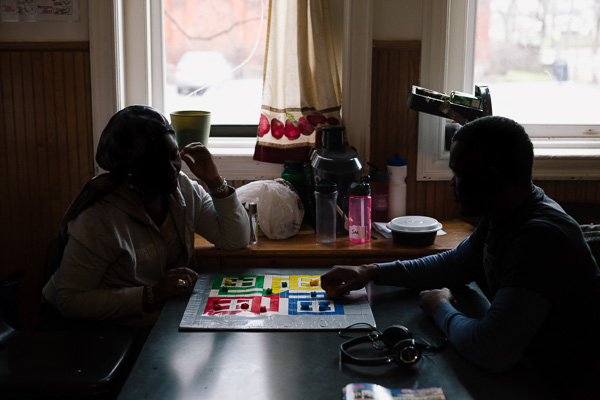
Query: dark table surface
306	364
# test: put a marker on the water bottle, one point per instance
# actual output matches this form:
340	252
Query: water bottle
380	195
295	172
326	201
359	211
397	195
252	211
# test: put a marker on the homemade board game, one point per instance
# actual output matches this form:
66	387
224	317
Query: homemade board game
290	301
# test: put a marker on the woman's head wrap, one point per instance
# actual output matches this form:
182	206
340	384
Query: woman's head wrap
127	136
124	141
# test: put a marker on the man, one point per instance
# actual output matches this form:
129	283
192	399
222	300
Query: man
527	255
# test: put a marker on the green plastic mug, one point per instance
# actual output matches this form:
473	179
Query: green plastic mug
191	126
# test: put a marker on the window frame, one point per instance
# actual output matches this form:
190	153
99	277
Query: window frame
448	38
122	74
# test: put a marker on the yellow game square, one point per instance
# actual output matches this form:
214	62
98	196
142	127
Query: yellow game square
279	283
303	282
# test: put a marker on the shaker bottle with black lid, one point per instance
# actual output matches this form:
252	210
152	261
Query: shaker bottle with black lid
325	201
379	195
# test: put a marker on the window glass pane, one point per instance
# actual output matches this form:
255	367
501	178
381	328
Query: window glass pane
214	52
540	59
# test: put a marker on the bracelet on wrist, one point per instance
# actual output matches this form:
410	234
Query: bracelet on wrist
150	295
220	189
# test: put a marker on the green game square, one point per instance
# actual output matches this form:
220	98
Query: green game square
219	279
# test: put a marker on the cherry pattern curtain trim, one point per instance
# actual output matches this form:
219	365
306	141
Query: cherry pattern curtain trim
301	89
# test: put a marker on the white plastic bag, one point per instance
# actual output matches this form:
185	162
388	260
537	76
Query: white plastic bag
279	208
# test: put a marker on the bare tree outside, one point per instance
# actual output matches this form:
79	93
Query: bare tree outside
214	58
540	59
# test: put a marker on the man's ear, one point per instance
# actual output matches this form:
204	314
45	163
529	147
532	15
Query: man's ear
494	180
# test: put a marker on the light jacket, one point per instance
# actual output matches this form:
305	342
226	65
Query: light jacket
115	249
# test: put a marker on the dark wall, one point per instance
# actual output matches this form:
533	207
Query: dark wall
45	153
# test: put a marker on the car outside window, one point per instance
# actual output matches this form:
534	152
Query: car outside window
214	55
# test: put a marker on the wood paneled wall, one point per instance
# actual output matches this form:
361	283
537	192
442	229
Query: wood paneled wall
394	129
572	191
45	152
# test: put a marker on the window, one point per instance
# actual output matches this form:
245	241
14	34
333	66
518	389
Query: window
537	58
214	55
128	67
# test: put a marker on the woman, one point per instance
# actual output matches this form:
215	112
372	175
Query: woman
128	237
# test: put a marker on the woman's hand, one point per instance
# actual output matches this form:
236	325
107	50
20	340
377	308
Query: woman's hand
201	163
175	282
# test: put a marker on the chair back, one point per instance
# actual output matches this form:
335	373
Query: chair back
64	364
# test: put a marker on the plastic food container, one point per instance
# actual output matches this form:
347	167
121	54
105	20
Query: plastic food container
414	230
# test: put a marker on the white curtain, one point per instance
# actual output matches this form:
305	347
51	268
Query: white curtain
301	89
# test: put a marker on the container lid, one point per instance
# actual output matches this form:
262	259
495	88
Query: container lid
379	176
335	156
360	189
414	224
396	161
252	207
344	161
325	186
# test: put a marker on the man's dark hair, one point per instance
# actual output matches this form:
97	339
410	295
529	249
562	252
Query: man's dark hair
502	143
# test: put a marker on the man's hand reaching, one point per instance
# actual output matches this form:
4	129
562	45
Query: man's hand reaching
341	279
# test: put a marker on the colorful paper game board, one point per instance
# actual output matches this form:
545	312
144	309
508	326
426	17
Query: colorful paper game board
293	301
